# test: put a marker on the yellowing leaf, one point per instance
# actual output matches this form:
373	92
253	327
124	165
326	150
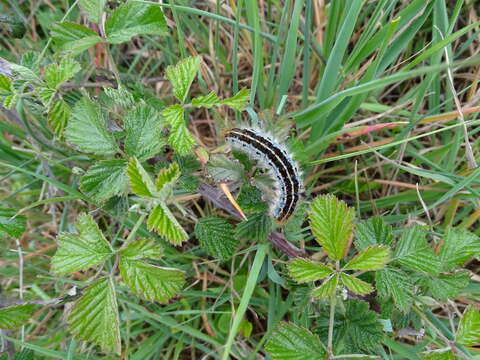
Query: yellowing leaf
372	258
356	285
327	288
303	270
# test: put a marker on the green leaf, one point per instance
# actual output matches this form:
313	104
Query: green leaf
74	38
5	84
105	179
222	169
135	18
356	285
216	237
303	270
458	247
81	251
25	73
143	126
12	317
87	128
180	138
290	341
10	101
164	223
45	94
413	251
372	232
166	179
93	8
140	182
394	283
372	258
448	355
121	96
207	101
58	114
446	287
331	221
151	282
25	354
142	248
238	101
468	333
56	74
13	226
182	75
327	288
94	316
256	228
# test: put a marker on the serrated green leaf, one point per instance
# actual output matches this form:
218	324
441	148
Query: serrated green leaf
331	221
142	248
105	179
372	232
151	282
413	251
256	228
140	182
87	129
13	226
216	237
371	258
458	247
56	74
24	73
164	223
74	38
207	101
135	18
10	101
180	138
5	84
12	317
93	8
290	341
327	288
222	169
45	94
250	198
166	179
447	355
58	114
394	283
143	126
303	270
81	251
446	287
238	101
120	96
468	333
356	285
94	316
182	75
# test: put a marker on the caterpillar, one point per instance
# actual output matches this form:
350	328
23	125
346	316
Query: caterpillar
279	163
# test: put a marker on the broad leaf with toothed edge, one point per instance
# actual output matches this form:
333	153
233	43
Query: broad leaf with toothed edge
166	179
180	138
94	317
327	288
105	179
12	317
371	258
182	75
216	237
73	38
140	182
395	283
237	101
303	270
468	333
164	223
11	224
372	232
356	285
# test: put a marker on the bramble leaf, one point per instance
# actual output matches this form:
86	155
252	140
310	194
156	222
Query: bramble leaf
105	179
13	226
56	74
216	237
446	287
81	251
207	101
356	285
140	182
458	247
5	84
135	18
372	232
180	138
164	223
303	270
290	341
238	101
93	8
73	38
143	126
142	248
87	128
468	333
94	316
331	221
166	179
182	75
12	317
58	114
394	283
413	251
371	258
256	228
222	169
327	288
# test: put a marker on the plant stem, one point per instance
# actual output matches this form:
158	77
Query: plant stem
333	302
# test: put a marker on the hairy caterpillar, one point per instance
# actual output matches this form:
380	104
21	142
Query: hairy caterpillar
279	163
